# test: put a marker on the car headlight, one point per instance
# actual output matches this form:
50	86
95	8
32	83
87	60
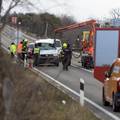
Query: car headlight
55	55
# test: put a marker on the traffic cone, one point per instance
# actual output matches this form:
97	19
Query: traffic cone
30	66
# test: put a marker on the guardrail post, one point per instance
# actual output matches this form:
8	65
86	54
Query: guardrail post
82	92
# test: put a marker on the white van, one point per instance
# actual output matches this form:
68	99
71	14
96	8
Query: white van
48	51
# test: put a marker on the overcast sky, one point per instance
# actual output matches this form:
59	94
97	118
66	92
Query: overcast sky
79	9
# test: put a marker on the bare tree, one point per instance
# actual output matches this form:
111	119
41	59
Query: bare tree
11	4
115	13
67	20
4	12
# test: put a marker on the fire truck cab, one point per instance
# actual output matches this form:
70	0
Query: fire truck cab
87	41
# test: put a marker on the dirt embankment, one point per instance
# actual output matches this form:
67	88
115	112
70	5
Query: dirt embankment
35	99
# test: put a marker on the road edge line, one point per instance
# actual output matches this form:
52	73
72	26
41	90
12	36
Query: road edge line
81	68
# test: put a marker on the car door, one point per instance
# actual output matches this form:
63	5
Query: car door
107	83
112	82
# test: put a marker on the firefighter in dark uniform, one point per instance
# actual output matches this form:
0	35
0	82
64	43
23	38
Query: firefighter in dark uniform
67	55
36	55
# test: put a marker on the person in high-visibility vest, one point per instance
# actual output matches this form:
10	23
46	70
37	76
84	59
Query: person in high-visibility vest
24	48
67	55
13	49
36	55
19	50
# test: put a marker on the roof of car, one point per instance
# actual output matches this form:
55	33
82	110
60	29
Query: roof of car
45	41
57	39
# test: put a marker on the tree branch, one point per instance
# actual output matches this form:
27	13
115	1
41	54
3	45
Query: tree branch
12	5
115	13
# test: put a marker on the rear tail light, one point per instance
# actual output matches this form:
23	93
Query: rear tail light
118	85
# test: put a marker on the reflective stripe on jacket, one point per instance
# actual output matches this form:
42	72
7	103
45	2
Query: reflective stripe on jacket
36	50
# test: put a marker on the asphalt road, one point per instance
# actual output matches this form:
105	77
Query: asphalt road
71	78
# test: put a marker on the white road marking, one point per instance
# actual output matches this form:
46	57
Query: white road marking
90	71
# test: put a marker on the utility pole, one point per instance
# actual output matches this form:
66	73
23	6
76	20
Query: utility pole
0	19
0	9
46	29
18	31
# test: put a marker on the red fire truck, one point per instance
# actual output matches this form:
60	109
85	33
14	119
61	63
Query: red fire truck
86	42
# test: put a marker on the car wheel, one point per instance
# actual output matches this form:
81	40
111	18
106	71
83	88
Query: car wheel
82	64
105	103
114	105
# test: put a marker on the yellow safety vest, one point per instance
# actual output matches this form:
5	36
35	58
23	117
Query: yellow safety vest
13	49
36	50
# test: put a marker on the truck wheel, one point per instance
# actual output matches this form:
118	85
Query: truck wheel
105	103
114	105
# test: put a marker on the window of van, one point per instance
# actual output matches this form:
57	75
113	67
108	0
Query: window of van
58	44
46	46
31	46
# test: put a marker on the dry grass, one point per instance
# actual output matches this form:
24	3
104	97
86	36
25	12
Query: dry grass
35	99
2	76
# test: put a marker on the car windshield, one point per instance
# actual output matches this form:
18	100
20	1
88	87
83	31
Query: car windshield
46	46
116	69
58	44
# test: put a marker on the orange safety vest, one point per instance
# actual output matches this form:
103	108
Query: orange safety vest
91	50
19	48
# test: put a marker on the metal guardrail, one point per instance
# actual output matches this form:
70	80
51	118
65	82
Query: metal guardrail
9	28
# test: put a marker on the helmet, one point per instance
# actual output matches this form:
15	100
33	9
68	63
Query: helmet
21	42
25	40
64	45
12	43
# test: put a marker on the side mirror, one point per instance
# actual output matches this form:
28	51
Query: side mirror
107	74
